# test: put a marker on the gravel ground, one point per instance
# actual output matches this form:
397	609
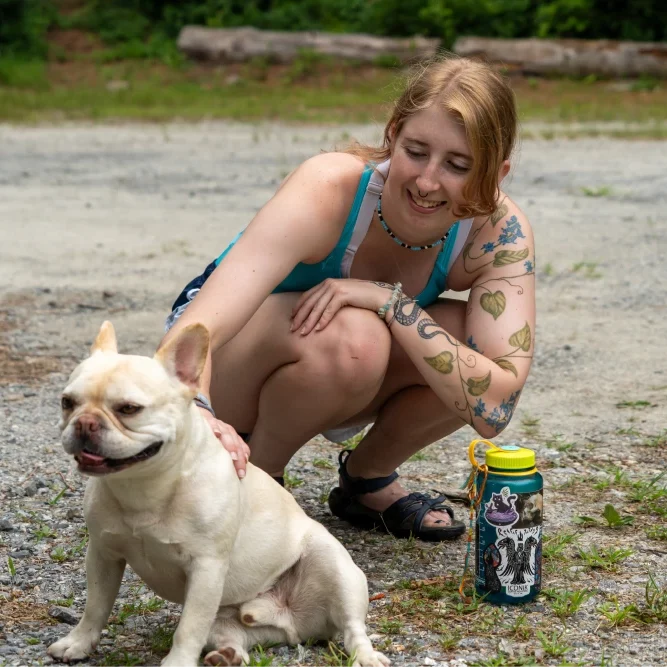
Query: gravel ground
108	222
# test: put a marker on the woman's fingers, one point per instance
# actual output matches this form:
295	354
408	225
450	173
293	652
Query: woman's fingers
231	441
327	302
305	306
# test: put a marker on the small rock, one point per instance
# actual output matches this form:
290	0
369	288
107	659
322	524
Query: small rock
21	553
7	650
429	661
6	525
64	614
30	489
116	85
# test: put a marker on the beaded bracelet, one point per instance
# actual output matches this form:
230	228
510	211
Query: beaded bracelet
382	312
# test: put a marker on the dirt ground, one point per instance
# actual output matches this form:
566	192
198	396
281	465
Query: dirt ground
109	222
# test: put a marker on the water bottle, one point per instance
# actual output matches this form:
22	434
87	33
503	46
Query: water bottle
508	530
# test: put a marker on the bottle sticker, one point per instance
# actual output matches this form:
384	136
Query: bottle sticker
512	563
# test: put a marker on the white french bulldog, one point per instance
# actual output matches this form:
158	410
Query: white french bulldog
242	557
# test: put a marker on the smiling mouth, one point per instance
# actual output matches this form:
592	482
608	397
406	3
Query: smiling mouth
424	204
94	464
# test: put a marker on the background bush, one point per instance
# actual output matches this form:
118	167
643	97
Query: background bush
23	23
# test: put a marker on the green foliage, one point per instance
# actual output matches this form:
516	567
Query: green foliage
23	26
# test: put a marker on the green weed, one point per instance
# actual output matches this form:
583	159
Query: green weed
390	626
617	614
121	658
657	532
614	519
43	532
59	555
54	500
259	658
605	559
637	405
449	639
11	567
323	463
162	640
292	481
602	191
32	641
23	74
335	657
552	644
587	269
567	603
656	602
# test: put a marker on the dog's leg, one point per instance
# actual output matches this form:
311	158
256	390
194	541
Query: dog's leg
231	639
349	609
202	599
103	579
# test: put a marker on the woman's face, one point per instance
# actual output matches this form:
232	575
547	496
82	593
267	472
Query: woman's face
431	156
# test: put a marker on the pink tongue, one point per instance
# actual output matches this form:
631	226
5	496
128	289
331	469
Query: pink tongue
90	459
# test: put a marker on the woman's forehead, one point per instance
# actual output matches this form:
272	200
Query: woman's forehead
437	129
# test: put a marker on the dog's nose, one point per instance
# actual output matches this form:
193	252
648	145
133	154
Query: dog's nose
87	427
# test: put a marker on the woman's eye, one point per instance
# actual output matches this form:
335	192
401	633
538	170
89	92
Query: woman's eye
412	153
66	403
458	167
129	409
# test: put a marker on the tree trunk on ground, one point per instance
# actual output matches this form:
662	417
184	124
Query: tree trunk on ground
242	44
574	57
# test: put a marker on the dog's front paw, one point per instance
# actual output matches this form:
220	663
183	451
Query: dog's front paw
370	658
227	656
72	647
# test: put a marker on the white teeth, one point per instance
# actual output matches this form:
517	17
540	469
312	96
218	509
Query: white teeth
424	203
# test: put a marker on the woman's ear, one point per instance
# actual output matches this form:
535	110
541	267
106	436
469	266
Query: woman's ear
503	171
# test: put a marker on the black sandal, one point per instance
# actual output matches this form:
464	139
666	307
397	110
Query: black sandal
402	519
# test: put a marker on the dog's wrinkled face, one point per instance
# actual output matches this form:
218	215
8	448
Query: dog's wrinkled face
121	411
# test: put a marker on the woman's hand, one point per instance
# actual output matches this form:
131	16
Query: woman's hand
317	307
230	440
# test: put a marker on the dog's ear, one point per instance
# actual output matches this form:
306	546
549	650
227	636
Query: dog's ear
106	339
185	354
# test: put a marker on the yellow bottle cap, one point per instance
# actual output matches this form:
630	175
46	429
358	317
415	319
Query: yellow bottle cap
509	457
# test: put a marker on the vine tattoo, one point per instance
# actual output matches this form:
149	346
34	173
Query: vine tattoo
494	301
447	362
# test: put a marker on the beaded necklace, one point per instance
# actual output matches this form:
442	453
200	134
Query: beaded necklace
402	243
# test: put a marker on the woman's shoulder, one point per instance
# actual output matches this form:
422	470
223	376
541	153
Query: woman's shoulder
497	240
339	169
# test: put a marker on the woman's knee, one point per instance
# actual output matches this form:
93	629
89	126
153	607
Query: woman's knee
353	349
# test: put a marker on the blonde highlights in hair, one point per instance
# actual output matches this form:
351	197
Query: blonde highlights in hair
482	99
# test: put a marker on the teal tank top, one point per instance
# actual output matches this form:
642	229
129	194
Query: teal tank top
305	276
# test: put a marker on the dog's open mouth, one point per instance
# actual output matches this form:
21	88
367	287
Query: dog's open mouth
94	464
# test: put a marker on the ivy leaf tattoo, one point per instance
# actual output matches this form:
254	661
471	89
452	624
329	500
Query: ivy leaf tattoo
443	362
493	303
521	338
477	386
507	365
505	257
498	214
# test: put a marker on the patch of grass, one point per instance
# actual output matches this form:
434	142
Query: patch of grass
43	532
32	641
602	191
336	657
617	614
552	643
606	559
161	640
324	463
566	603
655	597
659	440
259	658
65	602
139	608
390	626
121	658
21	74
587	269
520	628
530	425
635	405
59	555
657	532
58	496
292	481
449	639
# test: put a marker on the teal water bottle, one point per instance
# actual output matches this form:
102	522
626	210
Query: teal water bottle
508	530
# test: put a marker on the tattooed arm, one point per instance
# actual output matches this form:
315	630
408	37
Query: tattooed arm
481	380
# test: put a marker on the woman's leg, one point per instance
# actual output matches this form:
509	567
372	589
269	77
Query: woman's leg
408	417
285	388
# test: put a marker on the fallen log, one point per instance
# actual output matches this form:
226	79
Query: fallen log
233	45
574	57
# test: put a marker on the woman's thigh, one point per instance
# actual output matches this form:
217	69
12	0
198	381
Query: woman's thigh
242	366
450	314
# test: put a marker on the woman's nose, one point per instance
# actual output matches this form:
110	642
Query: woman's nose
427	180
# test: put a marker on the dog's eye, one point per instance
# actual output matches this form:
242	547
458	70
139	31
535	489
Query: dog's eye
129	409
66	403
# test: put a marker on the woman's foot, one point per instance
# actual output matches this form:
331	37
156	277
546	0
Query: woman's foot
383	503
384	498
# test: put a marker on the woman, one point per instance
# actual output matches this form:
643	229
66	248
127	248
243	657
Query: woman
324	313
